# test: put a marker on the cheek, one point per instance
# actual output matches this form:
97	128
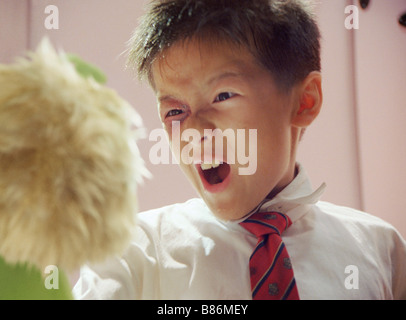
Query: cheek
188	152
174	136
191	174
273	147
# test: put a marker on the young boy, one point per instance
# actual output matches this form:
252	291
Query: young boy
241	65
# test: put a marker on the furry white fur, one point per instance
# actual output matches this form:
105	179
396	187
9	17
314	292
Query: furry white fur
69	164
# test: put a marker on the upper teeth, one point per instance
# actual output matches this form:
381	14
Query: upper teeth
207	166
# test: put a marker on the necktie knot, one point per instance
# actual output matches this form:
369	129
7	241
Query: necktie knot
263	223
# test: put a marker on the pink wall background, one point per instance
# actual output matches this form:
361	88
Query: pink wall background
357	145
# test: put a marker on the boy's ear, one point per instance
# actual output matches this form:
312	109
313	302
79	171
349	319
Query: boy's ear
309	102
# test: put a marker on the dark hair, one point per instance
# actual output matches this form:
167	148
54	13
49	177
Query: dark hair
281	34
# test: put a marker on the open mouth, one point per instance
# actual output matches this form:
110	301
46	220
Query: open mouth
214	173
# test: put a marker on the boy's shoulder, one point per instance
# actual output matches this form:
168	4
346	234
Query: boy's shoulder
350	214
194	214
356	221
195	210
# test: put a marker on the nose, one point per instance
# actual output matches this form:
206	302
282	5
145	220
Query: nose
200	122
197	135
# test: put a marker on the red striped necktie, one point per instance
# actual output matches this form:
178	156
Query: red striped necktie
270	267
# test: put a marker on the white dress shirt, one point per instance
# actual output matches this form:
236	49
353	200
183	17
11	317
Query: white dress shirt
183	251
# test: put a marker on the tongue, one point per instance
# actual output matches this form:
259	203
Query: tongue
212	177
217	175
223	171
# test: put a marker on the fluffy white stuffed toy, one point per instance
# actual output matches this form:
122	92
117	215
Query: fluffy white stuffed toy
69	167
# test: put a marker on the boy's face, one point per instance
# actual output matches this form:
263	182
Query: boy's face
201	85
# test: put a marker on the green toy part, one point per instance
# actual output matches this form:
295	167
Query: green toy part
23	282
86	69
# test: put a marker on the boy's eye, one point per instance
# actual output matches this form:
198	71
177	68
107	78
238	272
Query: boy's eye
174	112
224	96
